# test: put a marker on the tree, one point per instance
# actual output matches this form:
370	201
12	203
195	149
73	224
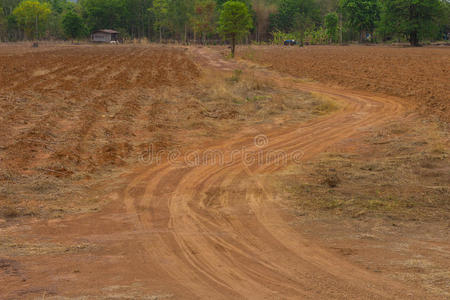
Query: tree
263	10
297	15
361	15
54	21
234	22
180	17
203	17
444	23
331	25
160	12
2	24
100	14
30	14
73	25
416	19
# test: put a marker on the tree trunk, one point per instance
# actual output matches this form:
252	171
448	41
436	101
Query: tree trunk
233	45
37	29
414	39
160	34
302	37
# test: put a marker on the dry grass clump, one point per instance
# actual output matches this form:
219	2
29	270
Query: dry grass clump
324	105
9	247
243	96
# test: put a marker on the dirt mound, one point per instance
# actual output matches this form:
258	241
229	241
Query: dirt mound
421	74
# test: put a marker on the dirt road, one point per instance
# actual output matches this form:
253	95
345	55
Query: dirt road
214	230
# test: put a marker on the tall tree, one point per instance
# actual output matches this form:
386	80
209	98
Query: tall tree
180	16
3	24
297	15
104	13
362	15
32	16
235	21
203	17
160	12
331	25
73	25
444	22
263	10
416	19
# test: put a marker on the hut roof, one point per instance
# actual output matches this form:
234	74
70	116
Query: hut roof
106	31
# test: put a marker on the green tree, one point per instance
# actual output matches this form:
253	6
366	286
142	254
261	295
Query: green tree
54	21
2	24
416	19
30	14
444	23
331	25
180	17
297	15
13	28
73	25
203	17
100	14
160	12
362	15
263	10
234	22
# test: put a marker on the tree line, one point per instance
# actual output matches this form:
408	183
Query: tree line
199	21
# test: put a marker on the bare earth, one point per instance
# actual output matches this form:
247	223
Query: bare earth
418	74
170	229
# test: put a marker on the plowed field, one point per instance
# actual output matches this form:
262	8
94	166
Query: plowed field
419	74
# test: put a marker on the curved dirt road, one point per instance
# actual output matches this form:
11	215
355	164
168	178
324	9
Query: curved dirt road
216	232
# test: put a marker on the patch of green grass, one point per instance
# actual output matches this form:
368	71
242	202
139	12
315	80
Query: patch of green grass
326	107
236	77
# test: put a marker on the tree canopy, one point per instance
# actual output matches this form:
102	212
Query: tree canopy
73	25
30	14
188	21
234	22
361	15
331	25
416	19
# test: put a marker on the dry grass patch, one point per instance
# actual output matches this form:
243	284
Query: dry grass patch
402	172
381	200
13	248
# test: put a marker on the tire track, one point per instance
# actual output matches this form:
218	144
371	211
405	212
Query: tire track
217	232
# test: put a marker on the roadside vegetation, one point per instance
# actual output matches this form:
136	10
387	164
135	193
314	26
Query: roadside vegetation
400	172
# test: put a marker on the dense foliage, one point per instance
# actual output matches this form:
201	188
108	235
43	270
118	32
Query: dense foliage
310	21
234	22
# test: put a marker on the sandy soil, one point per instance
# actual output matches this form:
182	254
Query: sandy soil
213	230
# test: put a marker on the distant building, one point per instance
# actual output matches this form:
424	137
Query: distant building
104	36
